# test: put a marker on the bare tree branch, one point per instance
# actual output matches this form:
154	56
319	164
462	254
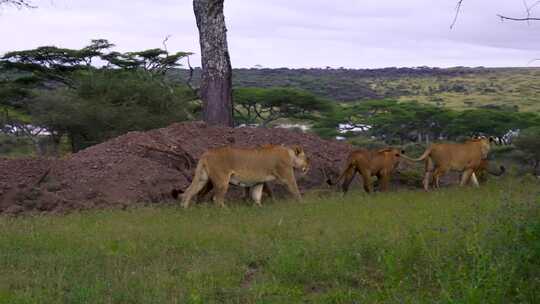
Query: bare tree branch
18	3
165	43
188	160
458	9
518	19
528	10
190	78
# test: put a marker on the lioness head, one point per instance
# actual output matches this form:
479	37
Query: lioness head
300	159
485	145
393	155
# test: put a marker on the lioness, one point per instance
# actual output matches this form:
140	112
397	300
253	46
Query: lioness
380	163
464	157
247	167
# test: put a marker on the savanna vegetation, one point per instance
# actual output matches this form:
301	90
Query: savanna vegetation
455	88
55	100
449	246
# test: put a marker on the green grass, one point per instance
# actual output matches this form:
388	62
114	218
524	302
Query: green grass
449	246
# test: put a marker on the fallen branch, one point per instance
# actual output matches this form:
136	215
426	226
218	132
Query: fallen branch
189	161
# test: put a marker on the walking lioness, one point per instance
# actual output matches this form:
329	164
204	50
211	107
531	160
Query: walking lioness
465	157
247	167
368	163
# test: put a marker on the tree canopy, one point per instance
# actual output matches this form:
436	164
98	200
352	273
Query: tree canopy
65	92
389	119
263	106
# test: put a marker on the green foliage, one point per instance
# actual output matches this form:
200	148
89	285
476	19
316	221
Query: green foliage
153	60
60	89
50	63
107	104
450	246
391	120
490	122
454	88
263	106
529	142
12	146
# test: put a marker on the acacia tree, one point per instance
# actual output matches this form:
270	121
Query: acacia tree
65	94
216	81
264	106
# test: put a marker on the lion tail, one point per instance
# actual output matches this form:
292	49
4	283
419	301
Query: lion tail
350	165
421	158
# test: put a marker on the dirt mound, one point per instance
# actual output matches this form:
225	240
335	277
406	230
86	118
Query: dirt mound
143	167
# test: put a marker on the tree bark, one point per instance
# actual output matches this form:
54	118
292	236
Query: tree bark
216	82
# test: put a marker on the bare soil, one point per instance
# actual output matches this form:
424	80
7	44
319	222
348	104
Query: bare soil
143	168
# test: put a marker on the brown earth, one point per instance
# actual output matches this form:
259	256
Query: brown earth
143	167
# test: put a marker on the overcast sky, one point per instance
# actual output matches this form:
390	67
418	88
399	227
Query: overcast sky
292	33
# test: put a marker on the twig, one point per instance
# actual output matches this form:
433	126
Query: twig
164	42
518	19
190	78
458	9
44	176
18	3
533	60
187	158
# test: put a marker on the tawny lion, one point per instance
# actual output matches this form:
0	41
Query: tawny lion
465	157
368	163
247	167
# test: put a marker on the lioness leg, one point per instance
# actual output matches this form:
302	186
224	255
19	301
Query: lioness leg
466	176
219	194
426	181
348	177
287	178
428	171
247	193
384	181
474	180
204	191
221	185
366	179
256	194
266	189
439	171
199	182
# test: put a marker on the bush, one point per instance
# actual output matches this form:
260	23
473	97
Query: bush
529	142
15	146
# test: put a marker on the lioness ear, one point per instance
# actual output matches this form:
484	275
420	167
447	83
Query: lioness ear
297	150
491	139
402	151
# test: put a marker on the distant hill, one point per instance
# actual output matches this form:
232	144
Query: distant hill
337	84
458	88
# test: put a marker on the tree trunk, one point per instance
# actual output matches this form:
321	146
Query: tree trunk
216	81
